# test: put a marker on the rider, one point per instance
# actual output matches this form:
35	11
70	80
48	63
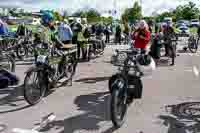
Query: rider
48	33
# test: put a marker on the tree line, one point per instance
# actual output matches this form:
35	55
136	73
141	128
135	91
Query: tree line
187	11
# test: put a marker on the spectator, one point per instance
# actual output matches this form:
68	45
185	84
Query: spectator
76	28
65	33
141	36
3	28
107	33
118	34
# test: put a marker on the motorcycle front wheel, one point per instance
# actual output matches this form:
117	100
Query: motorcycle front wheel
34	87
118	109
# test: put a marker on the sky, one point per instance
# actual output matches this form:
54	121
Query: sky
148	6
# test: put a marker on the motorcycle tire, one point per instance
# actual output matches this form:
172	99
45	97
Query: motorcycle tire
117	121
10	61
41	87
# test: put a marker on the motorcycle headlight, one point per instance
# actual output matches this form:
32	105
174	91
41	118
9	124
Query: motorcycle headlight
130	63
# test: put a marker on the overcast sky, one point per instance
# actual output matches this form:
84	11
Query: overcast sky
149	6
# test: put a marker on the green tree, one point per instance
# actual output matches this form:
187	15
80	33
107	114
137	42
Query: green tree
79	14
93	15
132	14
107	20
161	16
57	16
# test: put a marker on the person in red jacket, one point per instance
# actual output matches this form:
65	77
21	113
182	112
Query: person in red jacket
141	36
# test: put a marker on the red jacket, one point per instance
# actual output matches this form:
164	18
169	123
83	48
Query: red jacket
141	42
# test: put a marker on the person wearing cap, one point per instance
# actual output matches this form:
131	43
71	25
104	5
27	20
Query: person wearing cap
65	33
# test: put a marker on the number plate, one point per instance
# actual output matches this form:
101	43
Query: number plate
42	59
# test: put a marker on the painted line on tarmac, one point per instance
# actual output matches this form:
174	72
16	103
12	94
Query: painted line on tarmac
196	71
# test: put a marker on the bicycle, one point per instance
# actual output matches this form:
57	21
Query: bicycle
48	70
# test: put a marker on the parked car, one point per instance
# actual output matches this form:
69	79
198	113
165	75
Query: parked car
194	23
183	29
168	20
181	22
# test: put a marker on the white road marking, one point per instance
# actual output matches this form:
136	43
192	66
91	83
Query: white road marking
18	130
196	71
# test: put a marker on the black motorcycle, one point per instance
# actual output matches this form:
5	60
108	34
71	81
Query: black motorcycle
46	73
125	86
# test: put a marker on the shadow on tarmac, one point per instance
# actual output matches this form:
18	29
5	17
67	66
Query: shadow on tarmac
96	109
92	80
13	96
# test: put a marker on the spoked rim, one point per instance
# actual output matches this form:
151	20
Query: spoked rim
69	71
5	63
33	89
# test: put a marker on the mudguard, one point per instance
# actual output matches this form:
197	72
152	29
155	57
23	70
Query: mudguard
113	78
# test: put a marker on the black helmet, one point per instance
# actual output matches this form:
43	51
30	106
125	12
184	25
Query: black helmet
144	60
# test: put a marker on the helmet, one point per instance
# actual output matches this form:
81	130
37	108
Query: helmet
47	17
144	60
